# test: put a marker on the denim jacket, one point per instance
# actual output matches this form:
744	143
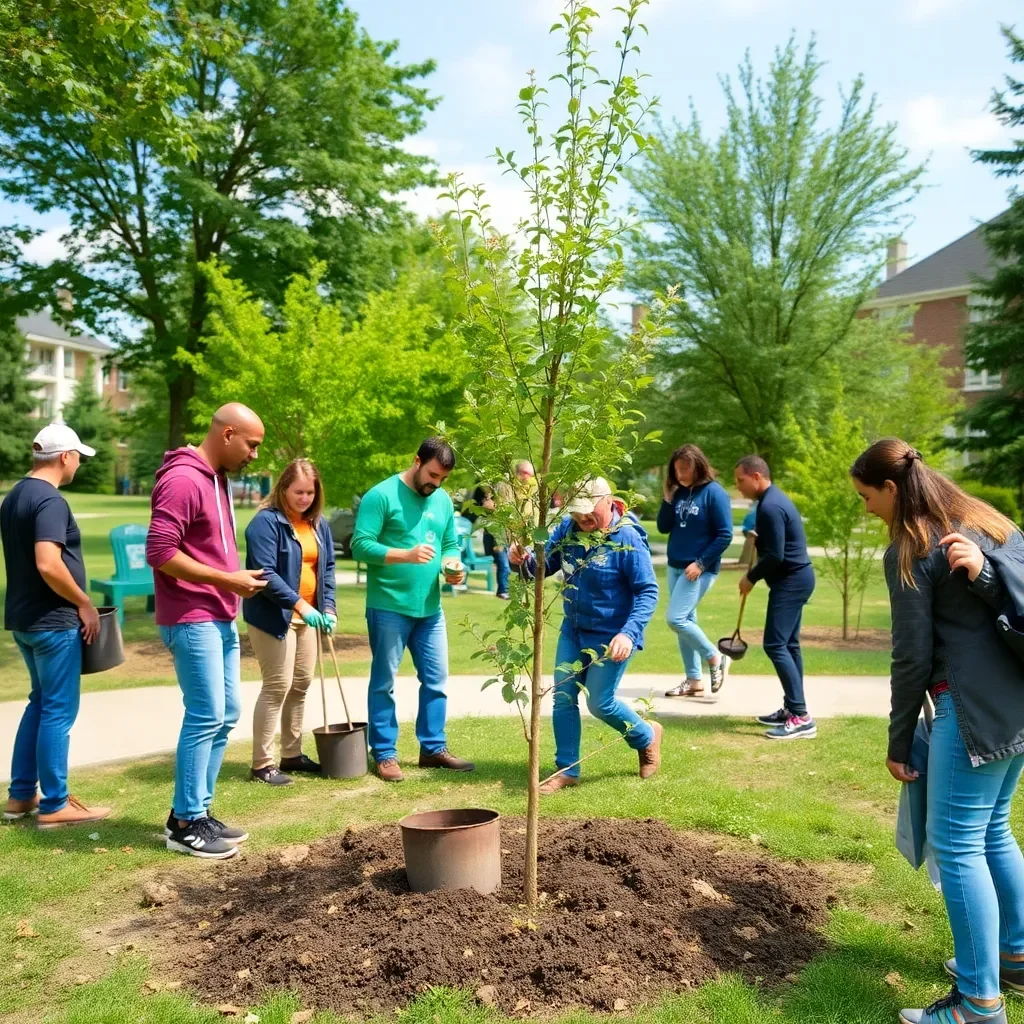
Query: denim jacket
609	588
945	630
273	546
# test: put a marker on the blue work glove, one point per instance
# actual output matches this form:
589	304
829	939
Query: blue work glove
314	619
330	622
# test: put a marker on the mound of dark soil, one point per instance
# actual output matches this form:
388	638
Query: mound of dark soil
630	909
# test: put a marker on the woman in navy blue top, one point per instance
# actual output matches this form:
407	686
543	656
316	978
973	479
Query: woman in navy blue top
697	516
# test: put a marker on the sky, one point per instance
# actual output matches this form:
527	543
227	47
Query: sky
932	65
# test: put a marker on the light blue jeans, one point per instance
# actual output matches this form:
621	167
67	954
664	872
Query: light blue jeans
208	666
601	682
427	640
980	864
54	660
684	596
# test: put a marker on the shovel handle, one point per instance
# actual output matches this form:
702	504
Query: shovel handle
739	620
337	672
320	669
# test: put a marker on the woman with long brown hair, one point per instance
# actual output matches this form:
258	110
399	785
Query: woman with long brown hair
290	540
946	596
697	516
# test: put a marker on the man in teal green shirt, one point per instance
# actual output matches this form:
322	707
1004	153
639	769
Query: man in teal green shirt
405	530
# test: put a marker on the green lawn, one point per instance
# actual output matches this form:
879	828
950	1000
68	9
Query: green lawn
99	514
829	802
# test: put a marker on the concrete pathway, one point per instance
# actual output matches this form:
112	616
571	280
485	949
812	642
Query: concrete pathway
119	724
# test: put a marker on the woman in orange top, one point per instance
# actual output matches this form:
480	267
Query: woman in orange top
290	540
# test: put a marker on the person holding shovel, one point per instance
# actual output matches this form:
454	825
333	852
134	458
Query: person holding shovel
608	598
785	566
405	533
697	516
290	540
955	573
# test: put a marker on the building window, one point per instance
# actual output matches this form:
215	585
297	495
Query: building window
69	364
44	360
982	380
45	408
122	380
905	313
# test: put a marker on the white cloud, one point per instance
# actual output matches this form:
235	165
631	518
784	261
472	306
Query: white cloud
925	10
488	79
933	123
47	247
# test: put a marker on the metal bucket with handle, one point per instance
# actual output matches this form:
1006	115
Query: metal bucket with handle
341	748
735	646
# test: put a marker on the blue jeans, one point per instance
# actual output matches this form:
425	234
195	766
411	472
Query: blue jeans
980	864
427	640
207	664
501	564
54	660
601	682
684	596
786	600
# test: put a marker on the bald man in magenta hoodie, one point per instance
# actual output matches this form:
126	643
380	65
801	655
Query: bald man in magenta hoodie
191	543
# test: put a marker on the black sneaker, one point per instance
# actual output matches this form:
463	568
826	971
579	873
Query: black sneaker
227	833
779	717
300	764
200	838
271	775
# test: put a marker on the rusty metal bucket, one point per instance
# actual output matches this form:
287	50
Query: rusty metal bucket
452	850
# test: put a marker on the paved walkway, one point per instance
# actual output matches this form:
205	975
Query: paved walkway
120	724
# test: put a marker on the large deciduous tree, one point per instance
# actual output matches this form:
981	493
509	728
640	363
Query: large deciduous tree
773	232
994	428
261	133
17	403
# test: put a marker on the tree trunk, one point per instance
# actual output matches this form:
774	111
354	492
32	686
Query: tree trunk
846	593
179	393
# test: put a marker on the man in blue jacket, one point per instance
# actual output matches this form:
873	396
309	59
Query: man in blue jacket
608	597
783	563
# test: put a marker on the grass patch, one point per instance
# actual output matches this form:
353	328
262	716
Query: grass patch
829	802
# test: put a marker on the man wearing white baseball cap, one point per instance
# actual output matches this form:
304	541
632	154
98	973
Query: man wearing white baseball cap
47	608
608	597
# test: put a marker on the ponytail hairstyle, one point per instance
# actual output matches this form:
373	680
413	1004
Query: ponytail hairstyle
927	505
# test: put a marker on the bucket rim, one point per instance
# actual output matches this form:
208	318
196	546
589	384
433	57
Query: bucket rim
339	729
408	822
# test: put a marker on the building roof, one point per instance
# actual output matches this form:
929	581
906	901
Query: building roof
954	266
42	325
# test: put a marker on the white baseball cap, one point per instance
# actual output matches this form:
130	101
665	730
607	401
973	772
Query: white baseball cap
59	437
586	498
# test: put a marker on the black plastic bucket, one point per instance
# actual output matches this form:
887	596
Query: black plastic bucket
341	750
107	650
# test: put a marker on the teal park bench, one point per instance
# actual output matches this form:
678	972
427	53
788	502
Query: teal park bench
132	576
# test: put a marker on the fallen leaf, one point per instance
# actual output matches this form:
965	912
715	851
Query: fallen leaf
619	1005
149	985
332	909
24	930
487	995
909	926
100	849
793	979
56	851
708	891
203	925
894	979
748	955
127	849
523	1004
467	953
301	1017
244	973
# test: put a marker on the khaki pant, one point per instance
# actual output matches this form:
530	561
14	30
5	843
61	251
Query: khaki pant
287	666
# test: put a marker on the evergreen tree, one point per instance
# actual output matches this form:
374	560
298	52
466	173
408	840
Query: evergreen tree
17	403
994	428
90	417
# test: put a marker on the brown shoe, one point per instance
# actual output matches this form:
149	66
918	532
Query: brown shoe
389	770
650	756
689	688
563	781
74	812
17	809
445	759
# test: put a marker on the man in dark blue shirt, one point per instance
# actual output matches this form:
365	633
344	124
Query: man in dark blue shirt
783	563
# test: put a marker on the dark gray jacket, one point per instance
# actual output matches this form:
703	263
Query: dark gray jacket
946	630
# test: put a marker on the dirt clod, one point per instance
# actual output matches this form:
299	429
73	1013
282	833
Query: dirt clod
158	894
681	916
293	856
301	1016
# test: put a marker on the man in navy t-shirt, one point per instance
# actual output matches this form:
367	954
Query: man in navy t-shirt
783	563
50	614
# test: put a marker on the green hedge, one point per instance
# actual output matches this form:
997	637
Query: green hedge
1003	499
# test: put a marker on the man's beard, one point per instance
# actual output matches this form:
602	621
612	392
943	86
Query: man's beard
424	487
